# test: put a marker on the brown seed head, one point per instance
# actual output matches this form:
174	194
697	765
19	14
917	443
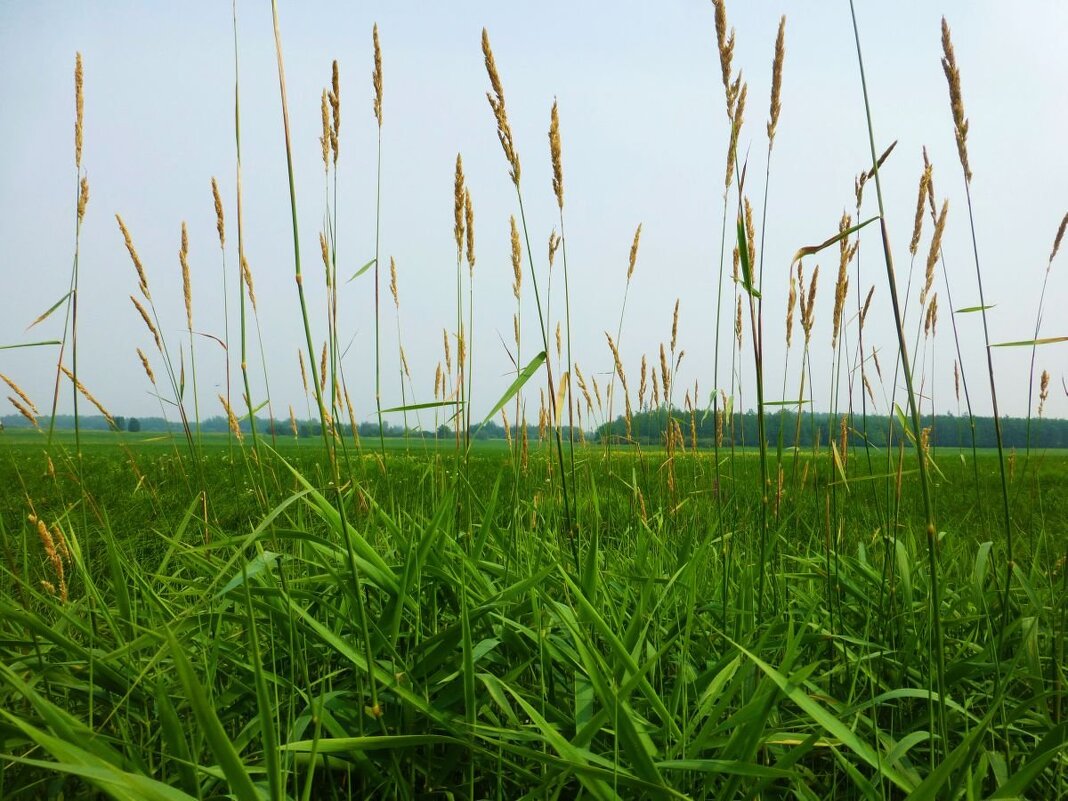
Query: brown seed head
83	198
135	258
841	287
23	410
736	126
675	325
559	342
921	197
231	419
246	274
335	105
148	322
324	250
936	249
554	244
725	44
1058	238
293	422
393	281
808	311
324	139
956	380
634	251
376	76
776	82
220	223
469	223
322	370
665	372
1043	391
458	195
87	395
554	152
187	289
738	323
867	304
643	373
956	101
147	366
496	101
303	371
79	109
18	391
750	232
517	260
448	351
791	302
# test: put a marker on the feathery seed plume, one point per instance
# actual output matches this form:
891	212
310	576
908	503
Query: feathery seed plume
1058	238
335	105
220	223
246	274
322	370
469	224
554	152
187	289
18	391
303	371
517	260
88	395
791	302
675	325
231	419
147	366
634	251
956	101
725	44
79	109
1043	391
496	101
554	243
324	139
867	304
776	81
148	322
83	197
917	225
458	195
393	281
936	248
736	126
135	258
376	76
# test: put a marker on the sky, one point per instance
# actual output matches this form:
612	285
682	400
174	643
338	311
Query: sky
644	134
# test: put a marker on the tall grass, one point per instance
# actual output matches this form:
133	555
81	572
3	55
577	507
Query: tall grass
617	618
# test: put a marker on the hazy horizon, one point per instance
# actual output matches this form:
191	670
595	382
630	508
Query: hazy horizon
644	139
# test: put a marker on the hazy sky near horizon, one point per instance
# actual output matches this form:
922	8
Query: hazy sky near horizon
644	135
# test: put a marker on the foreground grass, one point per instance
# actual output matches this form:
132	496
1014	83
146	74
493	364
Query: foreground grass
203	655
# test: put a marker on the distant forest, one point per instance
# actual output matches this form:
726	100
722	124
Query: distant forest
648	427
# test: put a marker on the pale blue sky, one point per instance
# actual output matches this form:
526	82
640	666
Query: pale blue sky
644	136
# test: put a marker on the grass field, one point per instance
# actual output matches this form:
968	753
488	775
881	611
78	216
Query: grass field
202	616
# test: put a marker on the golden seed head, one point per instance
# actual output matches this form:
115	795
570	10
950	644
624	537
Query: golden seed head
842	285
791	302
469	225
393	281
735	263
148	322
376	76
404	363
875	358
554	243
324	250
1043	390
634	251
559	342
496	101
322	370
725	44
738	323
776	83
135	258
956	380
448	351
461	350
956	101
303	371
324	140
665	372
808	310
675	325
79	109
335	106
147	366
517	260
85	393
458	195
737	119
930	183
750	232
554	151
220	223
921	198
642	375
231	419
515	328
187	290
293	422
18	391
83	198
936	249
867	304
1058	238
246	274
23	410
